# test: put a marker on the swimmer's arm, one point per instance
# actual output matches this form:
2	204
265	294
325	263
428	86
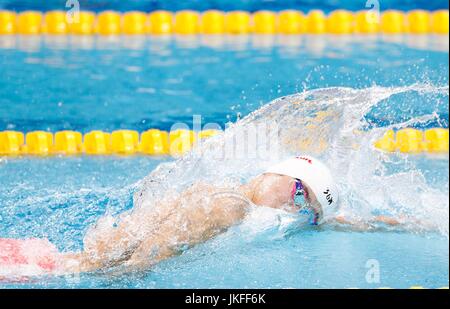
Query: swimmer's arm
386	220
161	227
190	226
364	225
110	244
377	219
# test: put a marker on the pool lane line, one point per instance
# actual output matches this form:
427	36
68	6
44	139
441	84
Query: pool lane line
122	142
212	22
177	142
410	140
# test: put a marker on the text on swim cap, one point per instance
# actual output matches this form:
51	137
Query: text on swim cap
328	196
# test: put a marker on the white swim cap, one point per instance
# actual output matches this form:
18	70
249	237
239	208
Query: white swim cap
316	175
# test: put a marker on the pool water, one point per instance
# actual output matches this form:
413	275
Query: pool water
141	83
59	198
55	84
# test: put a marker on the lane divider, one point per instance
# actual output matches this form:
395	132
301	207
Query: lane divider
157	142
188	22
122	142
411	140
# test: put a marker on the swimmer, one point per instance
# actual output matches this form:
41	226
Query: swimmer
143	237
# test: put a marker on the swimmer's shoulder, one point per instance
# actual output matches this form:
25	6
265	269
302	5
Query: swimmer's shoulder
207	187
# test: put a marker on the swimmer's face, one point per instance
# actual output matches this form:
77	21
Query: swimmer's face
275	191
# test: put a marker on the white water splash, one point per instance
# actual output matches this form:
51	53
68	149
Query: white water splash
327	123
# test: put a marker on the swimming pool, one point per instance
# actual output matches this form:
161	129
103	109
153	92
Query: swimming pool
98	83
119	87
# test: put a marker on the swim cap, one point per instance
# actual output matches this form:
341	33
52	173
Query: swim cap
316	175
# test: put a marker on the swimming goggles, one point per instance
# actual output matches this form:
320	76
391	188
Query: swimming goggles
299	194
300	197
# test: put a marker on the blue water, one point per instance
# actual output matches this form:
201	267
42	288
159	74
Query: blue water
226	5
148	83
54	84
59	198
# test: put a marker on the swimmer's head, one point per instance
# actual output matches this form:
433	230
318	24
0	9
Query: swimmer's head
302	183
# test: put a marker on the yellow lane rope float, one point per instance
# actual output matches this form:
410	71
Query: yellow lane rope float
123	142
410	140
156	142
188	22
